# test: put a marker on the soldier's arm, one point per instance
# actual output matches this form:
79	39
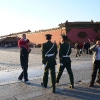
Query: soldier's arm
43	54
60	53
56	51
70	50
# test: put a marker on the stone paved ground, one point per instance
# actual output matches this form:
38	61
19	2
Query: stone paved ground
81	92
34	91
20	91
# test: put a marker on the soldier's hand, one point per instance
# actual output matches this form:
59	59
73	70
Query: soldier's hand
44	65
61	64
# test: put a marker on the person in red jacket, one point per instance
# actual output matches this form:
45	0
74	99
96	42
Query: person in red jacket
81	48
24	42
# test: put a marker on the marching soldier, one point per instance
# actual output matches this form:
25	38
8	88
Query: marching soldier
49	52
65	62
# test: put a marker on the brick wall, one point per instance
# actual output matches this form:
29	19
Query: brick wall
39	37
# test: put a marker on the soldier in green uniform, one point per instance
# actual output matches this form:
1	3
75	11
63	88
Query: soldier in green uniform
65	62
49	52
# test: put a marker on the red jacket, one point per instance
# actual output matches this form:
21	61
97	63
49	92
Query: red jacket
81	46
22	43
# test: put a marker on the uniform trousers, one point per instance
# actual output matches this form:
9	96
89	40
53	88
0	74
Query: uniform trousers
52	74
69	70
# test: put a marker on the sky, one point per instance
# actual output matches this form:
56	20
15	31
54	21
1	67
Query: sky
23	15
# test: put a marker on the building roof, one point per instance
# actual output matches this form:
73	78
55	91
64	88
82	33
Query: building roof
9	39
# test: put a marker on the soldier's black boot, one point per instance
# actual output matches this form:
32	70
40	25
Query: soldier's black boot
71	86
53	90
98	82
91	85
42	84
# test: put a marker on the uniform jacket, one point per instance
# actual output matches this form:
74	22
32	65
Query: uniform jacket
45	48
63	49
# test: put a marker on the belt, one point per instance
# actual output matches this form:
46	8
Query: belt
65	56
49	55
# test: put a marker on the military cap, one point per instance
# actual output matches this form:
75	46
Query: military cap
48	36
64	36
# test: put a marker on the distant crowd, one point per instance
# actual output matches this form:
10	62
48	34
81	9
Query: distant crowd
83	47
10	44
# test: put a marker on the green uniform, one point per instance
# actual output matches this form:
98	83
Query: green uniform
64	52
49	59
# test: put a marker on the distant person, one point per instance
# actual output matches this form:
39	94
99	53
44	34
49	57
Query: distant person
87	46
96	61
84	47
77	47
91	44
49	52
65	62
81	48
55	43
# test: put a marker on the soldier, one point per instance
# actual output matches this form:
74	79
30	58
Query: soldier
49	52
64	52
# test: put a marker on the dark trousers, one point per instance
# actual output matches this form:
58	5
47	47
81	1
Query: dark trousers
96	66
87	51
69	70
24	65
53	76
98	78
90	52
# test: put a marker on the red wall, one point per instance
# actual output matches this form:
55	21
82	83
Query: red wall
72	34
39	38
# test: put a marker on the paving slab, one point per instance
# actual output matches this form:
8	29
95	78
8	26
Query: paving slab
34	91
15	90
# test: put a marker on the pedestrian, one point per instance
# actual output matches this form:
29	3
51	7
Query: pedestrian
77	47
23	44
81	48
96	62
65	61
87	46
91	44
84	47
49	52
